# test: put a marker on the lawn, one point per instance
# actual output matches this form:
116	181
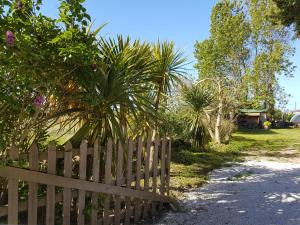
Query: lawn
270	141
190	167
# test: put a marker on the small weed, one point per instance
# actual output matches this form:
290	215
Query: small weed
240	176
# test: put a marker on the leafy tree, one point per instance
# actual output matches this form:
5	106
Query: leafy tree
222	61
242	60
288	13
271	51
58	72
29	66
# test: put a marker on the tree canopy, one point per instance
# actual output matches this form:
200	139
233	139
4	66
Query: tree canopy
288	13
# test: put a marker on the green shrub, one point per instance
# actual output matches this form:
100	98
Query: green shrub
267	124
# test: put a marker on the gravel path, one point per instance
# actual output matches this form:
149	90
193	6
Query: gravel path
251	193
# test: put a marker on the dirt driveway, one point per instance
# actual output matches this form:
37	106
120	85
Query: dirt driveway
259	191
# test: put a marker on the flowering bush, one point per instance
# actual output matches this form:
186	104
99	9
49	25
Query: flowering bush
38	56
55	69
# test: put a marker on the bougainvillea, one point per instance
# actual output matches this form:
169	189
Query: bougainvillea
10	38
38	54
39	100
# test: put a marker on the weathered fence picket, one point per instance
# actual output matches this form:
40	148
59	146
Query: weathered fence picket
154	178
134	179
67	195
137	205
33	187
119	183
13	194
51	169
82	176
147	175
168	162
96	174
107	180
128	211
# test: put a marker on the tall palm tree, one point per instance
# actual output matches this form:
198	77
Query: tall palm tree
168	69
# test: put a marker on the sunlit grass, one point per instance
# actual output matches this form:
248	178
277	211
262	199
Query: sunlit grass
270	140
189	167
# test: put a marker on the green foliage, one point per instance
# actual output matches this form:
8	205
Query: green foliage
196	98
241	62
173	124
92	86
224	53
168	69
28	68
122	80
222	61
271	50
184	120
194	101
270	142
267	124
190	167
288	13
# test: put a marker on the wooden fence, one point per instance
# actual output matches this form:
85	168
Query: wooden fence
115	184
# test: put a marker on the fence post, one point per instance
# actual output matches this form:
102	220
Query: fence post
33	187
67	196
128	212
107	180
120	158
13	196
96	168
82	176
51	169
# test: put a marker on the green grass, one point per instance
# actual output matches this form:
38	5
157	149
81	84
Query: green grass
275	142
190	167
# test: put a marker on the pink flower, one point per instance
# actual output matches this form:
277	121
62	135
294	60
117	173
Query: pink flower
10	38
39	100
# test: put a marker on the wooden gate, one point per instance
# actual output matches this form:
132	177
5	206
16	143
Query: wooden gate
112	184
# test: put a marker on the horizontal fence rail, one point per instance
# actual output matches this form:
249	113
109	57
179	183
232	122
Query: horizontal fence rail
112	184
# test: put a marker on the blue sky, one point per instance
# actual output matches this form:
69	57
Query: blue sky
183	22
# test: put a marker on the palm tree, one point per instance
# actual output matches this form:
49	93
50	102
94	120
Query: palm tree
194	101
168	69
114	89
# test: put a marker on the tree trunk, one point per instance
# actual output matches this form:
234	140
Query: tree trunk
210	131
218	124
219	115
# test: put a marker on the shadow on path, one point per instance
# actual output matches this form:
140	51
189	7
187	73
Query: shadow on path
254	193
